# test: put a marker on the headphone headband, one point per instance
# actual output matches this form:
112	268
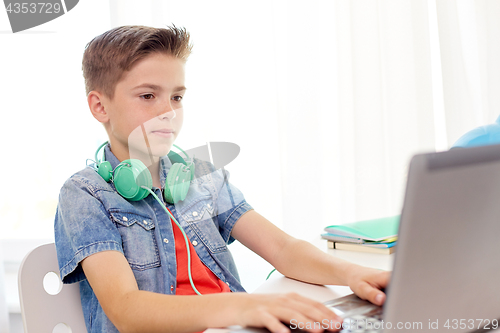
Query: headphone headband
97	152
172	155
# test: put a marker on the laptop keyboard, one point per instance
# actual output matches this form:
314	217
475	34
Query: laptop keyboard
359	315
361	323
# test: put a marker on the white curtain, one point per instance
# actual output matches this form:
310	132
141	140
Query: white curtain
328	100
470	58
366	105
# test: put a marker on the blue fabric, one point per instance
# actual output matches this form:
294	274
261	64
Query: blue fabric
92	217
480	136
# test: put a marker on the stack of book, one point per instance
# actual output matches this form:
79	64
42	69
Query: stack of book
375	236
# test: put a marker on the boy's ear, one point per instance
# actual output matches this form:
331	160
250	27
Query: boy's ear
96	104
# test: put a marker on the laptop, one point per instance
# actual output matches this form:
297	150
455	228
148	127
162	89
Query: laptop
446	275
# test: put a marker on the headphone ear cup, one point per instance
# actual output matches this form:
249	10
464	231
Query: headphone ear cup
177	183
105	170
129	177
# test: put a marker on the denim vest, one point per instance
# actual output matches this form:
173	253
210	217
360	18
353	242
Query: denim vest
92	217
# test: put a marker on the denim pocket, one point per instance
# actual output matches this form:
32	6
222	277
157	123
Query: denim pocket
200	214
199	218
138	238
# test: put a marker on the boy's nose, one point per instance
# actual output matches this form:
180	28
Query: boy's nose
168	115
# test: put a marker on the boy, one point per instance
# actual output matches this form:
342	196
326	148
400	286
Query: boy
129	256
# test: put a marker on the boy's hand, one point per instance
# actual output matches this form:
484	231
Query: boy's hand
277	311
368	282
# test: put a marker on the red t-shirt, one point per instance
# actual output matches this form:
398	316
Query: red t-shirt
204	280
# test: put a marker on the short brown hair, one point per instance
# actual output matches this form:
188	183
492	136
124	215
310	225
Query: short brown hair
109	55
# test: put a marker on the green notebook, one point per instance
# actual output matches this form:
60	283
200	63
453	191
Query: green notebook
373	230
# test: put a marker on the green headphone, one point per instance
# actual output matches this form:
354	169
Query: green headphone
133	181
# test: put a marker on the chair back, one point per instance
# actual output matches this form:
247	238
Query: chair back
4	311
42	311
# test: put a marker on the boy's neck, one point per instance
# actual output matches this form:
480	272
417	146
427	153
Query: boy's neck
154	169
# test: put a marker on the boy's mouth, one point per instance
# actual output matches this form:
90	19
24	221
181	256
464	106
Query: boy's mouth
165	133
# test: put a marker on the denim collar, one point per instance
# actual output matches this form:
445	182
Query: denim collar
165	163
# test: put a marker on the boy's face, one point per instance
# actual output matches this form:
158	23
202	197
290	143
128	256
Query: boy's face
145	115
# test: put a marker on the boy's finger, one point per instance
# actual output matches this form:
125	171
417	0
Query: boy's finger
295	319
324	319
374	295
381	280
273	324
324	312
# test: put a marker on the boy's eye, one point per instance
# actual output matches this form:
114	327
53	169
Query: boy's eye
147	96
177	98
